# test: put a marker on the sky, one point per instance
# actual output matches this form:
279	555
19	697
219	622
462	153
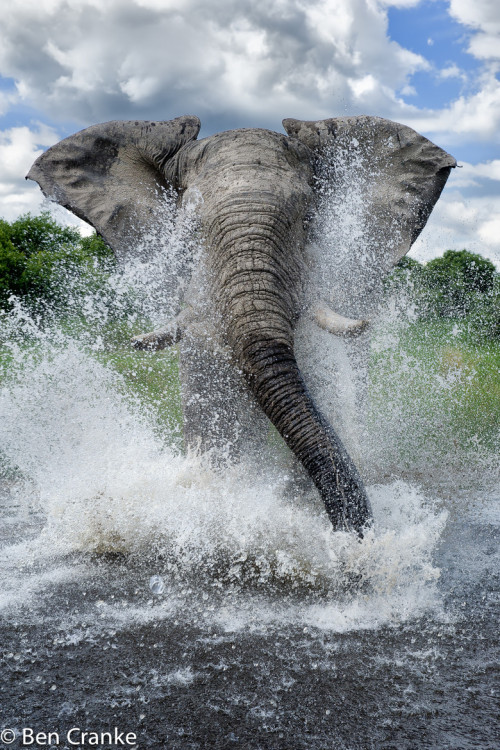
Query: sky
431	64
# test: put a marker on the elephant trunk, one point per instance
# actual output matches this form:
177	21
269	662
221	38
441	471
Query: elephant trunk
276	381
256	290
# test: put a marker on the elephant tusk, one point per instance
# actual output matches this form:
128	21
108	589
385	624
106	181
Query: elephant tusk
156	340
169	335
337	324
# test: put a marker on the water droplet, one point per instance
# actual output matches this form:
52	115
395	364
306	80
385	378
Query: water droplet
156	584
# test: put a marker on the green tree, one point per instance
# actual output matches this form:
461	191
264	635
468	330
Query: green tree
12	267
485	318
459	284
406	273
458	281
33	234
39	257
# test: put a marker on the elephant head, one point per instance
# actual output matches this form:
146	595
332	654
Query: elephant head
257	189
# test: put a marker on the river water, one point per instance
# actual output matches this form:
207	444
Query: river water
257	635
198	607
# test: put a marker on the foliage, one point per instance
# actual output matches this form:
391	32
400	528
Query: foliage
457	281
485	317
43	262
33	234
38	257
406	277
458	285
433	386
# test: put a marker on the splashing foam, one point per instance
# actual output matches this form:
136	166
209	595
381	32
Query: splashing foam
402	393
105	482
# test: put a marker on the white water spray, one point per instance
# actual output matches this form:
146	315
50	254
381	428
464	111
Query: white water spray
104	482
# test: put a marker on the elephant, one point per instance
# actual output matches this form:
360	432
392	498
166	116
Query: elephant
255	191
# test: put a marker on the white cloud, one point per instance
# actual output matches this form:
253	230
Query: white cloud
158	59
408	90
490	169
8	99
452	71
19	147
468	118
489	231
244	63
400	3
467	216
483	16
471	172
241	62
461	221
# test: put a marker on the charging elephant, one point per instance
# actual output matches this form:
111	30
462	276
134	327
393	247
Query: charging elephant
255	191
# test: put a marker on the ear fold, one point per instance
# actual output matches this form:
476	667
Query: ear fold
112	175
407	171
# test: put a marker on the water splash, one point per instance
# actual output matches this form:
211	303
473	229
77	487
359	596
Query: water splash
354	240
106	484
408	396
105	481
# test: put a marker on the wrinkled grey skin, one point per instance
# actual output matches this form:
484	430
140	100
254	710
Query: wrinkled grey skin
257	190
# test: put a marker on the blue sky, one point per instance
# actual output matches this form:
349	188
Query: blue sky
428	30
433	65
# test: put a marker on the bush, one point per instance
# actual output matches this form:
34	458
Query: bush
38	256
33	234
406	274
12	267
485	318
459	284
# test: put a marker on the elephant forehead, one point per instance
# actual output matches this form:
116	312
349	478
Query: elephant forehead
252	185
247	170
254	147
246	199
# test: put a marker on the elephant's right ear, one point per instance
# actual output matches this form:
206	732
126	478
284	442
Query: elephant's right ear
113	175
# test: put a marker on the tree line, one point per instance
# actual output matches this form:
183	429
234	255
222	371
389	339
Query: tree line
458	284
39	258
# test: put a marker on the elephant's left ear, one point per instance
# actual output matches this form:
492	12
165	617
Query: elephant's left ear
112	175
404	171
